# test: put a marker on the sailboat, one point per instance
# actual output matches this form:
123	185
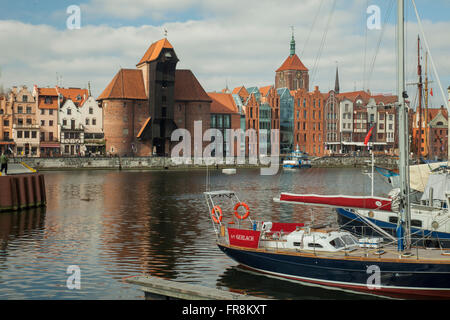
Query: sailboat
331	257
429	184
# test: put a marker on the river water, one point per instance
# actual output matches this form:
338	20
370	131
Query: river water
116	224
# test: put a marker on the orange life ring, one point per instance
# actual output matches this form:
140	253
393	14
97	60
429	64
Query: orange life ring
213	214
236	213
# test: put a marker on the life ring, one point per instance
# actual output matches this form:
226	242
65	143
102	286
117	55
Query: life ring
213	214
236	213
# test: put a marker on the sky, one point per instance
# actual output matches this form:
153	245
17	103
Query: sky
225	43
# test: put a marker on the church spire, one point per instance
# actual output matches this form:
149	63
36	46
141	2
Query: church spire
336	82
292	43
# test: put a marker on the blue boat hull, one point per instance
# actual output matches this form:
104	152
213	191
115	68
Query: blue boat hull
351	222
396	279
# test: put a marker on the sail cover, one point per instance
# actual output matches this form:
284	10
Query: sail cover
339	201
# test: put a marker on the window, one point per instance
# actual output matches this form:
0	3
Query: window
33	134
91	110
28	110
26	134
28	121
19	109
20	121
25	98
42	136
213	121
48	100
42	122
393	219
87	121
5	123
50	136
337	243
42	111
416	223
227	121
50	112
50	123
64	122
19	134
69	111
315	245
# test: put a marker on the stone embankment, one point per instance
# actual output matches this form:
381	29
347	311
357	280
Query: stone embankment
161	163
388	162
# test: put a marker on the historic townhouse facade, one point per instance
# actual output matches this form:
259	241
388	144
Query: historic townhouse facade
25	126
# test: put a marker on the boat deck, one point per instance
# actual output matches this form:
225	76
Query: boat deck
384	253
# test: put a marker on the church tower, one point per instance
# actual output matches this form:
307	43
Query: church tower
292	74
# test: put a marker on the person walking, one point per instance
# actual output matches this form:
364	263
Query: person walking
4	163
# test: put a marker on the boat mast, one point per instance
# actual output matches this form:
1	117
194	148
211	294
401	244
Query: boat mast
403	134
419	87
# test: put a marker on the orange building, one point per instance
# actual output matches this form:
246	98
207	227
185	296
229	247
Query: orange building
309	121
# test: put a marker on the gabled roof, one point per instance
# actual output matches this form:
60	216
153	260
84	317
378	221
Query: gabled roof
434	112
127	84
153	52
187	87
292	63
265	90
353	95
77	95
47	92
222	103
238	89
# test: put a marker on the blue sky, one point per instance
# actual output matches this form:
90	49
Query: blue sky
51	11
234	41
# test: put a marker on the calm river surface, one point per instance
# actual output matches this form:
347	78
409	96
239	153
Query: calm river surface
115	224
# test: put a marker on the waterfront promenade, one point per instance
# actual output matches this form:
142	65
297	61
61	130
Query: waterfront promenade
166	163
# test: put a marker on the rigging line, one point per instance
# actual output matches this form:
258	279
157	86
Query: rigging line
431	57
322	44
365	51
372	65
310	30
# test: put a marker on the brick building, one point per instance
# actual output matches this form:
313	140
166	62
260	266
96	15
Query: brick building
143	106
308	121
292	74
225	115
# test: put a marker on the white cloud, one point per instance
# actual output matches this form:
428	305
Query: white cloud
235	42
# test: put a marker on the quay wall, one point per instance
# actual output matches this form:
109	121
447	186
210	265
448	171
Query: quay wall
158	163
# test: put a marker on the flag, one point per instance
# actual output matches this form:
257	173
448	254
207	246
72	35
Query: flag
431	91
369	134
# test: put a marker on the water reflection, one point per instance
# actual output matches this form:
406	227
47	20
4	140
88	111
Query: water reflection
114	224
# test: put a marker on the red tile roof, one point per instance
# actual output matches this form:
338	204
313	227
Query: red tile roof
42	93
187	87
292	63
77	95
47	92
222	103
127	84
237	89
353	95
265	90
153	52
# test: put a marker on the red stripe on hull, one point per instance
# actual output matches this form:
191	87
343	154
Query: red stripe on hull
402	293
340	201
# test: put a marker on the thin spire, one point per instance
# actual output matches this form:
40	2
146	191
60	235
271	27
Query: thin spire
292	43
336	82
